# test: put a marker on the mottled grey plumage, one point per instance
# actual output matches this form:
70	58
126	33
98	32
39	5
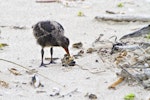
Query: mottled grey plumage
49	34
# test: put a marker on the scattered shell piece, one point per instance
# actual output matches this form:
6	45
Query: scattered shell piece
68	61
118	60
146	71
147	82
91	96
104	51
146	64
77	45
55	92
4	84
90	50
80	53
14	71
36	81
120	57
124	53
32	71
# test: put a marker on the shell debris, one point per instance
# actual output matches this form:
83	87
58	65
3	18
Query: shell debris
4	84
36	81
55	92
68	61
77	45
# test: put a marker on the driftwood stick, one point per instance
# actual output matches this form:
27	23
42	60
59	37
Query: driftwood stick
130	47
141	32
113	86
121	18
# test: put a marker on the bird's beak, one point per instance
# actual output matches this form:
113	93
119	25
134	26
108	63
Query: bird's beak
67	51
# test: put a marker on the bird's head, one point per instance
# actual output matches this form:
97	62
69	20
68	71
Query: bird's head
65	44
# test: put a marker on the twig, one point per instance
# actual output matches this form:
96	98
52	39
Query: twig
30	69
115	41
110	12
121	18
89	70
46	1
14	27
144	51
98	39
102	59
113	86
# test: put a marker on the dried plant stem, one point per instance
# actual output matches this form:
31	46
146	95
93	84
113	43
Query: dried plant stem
30	69
90	70
15	63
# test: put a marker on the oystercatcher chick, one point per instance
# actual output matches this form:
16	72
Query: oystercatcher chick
50	34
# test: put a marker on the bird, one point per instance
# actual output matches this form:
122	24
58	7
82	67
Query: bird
50	34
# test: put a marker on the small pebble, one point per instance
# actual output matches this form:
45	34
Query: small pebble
92	96
96	60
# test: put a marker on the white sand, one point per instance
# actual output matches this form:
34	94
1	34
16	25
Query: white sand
23	49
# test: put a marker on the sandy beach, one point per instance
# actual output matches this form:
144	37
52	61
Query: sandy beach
73	83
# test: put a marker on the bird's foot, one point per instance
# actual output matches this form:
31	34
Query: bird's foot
52	62
43	65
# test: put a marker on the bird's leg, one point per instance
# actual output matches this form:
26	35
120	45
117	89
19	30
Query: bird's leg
51	53
42	55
